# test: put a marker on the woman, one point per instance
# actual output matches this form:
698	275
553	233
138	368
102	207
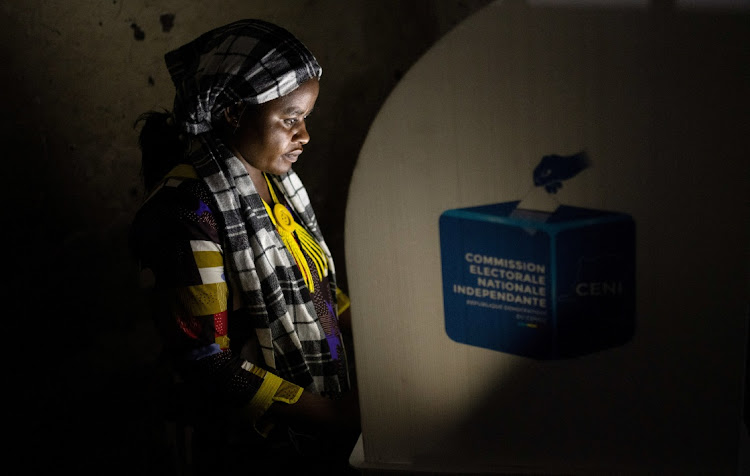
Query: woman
248	304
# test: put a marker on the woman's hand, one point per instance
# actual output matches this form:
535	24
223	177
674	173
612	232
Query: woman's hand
316	413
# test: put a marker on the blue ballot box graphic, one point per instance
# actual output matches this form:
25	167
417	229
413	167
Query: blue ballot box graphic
545	286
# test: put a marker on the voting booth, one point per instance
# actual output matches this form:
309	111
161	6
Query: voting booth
515	312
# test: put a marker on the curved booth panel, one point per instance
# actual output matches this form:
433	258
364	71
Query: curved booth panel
546	242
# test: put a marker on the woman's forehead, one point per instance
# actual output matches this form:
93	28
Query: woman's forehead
299	101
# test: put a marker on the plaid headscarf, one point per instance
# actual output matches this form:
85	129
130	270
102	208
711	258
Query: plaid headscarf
255	61
249	60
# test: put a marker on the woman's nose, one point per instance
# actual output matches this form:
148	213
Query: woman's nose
302	136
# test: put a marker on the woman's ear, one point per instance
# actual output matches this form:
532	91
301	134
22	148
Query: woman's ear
232	116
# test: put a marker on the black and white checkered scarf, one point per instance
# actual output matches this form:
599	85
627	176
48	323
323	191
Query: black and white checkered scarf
255	62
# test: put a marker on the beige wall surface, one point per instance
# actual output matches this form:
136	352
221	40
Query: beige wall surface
660	101
75	76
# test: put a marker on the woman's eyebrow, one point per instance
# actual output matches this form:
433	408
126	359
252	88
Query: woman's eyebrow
295	111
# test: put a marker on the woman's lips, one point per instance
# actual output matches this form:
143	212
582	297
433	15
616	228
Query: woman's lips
292	156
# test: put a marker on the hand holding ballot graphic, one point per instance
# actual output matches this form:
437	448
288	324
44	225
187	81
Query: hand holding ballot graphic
553	169
539	203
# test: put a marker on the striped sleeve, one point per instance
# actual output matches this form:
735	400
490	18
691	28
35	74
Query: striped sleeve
179	241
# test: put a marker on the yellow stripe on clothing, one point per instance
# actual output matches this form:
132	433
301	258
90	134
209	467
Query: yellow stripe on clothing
183	171
287	392
223	342
208	259
273	389
204	299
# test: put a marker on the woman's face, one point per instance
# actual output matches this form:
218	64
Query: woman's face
270	137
